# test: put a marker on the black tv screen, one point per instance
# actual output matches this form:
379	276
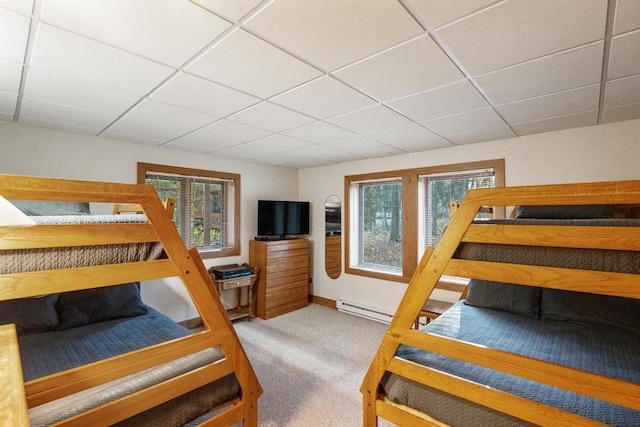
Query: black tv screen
283	218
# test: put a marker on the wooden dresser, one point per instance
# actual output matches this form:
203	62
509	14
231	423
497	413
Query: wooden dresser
283	281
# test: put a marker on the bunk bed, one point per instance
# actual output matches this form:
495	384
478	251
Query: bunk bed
549	333
90	351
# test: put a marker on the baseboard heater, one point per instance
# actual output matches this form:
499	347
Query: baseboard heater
360	310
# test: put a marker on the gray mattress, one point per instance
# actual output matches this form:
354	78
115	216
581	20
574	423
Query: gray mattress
49	352
26	260
587	259
595	346
600	349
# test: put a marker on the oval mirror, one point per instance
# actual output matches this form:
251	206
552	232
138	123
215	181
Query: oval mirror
333	236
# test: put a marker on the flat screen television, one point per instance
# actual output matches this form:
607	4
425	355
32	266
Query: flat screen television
281	219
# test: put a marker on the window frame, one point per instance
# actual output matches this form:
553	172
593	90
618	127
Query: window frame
410	211
205	253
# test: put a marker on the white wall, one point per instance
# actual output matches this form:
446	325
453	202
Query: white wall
596	153
26	150
605	152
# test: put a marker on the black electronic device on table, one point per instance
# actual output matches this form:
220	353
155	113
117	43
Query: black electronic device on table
230	272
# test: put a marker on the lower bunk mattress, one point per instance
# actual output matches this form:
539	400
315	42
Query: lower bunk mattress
54	351
600	349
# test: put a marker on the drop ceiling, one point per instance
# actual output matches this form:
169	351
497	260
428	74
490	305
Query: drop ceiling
306	83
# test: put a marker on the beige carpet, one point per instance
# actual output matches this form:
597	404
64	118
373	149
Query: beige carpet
311	363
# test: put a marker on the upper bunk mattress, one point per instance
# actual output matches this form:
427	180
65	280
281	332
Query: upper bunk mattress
27	260
600	349
587	259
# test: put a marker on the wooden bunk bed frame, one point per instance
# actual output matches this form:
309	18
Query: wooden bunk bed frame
186	264
438	262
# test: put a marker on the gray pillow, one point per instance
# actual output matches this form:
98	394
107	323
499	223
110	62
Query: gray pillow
591	308
565	212
31	315
79	308
40	208
523	300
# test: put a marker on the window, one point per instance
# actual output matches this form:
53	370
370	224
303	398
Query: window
207	206
380	228
393	216
436	191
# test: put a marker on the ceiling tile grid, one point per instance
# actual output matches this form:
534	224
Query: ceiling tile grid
302	83
245	62
169	32
323	98
334	33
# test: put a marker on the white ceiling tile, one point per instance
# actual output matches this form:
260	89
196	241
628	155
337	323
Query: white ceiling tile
145	130
266	146
195	93
14	29
230	9
295	158
62	90
24	7
622	91
52	112
493	134
132	138
558	104
8	117
8	104
200	142
404	135
327	153
384	151
627	16
618	114
271	117
445	101
10	75
624	59
466	122
247	63
557	123
520	30
371	119
167	115
231	132
319	132
323	98
404	70
63	53
418	146
170	32
565	70
334	33
440	12
359	145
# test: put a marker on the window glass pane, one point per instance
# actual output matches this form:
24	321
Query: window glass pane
201	215
380	226
439	190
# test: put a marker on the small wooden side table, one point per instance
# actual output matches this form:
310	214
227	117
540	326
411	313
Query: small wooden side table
240	311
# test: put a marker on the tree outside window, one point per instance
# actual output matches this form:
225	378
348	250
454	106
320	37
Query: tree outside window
207	206
393	216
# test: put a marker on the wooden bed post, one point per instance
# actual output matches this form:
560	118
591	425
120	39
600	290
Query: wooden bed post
432	264
159	233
